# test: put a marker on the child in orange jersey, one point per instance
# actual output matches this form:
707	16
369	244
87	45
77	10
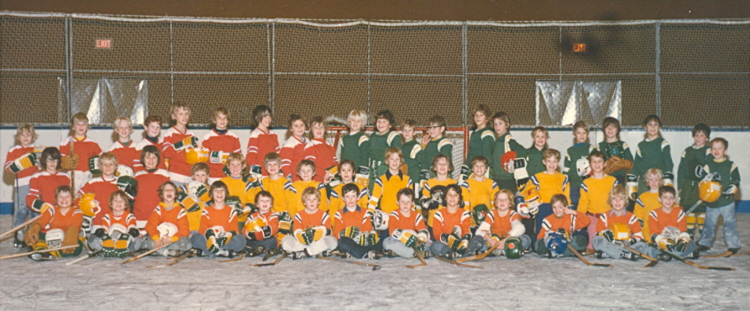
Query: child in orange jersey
312	229
556	233
123	148
353	226
648	200
151	137
500	224
177	140
323	154
295	148
22	161
262	140
262	225
594	194
433	190
406	227
668	227
167	224
59	226
451	227
116	235
149	179
102	187
217	235
194	195
220	142
618	227
83	148
548	183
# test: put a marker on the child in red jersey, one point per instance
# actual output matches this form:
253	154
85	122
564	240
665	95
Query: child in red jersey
22	161
406	227
117	234
151	137
167	224
220	142
149	180
261	227
295	148
123	148
177	140
323	154
102	187
59	226
43	184
312	229
668	226
353	226
451	227
618	227
501	224
562	228
83	149
217	235
262	140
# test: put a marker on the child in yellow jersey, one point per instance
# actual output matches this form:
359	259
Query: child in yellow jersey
548	183
434	188
648	201
312	229
594	198
280	189
346	172
306	172
387	185
194	195
479	190
239	185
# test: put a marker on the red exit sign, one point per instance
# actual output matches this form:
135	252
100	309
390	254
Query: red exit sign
579	47
104	43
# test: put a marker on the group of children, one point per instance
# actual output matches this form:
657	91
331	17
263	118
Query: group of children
387	195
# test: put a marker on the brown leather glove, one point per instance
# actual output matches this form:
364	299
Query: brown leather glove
616	163
32	234
69	162
71	238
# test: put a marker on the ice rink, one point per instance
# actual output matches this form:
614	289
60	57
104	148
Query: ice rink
530	283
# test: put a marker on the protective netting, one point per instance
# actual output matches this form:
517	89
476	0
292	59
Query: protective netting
678	69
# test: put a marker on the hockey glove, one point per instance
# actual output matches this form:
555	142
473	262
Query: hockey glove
609	235
317	233
632	186
186	142
26	161
218	157
303	237
667	179
94	165
40	207
99	233
465	172
731	190
350	232
187	202
285	223
663	242
32	234
129	185
407	237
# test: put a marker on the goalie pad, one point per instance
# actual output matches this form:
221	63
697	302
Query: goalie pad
380	220
608	234
406	237
362	177
23	162
69	163
616	163
70	238
285	223
129	185
631	186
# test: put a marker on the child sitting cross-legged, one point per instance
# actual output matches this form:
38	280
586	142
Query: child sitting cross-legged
312	229
618	228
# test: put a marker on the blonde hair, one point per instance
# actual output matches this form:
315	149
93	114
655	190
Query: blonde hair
271	157
437	158
176	107
310	191
617	191
549	153
581	125
236	157
107	156
116	124
219	110
539	129
510	197
393	150
78	118
653	171
27	128
360	115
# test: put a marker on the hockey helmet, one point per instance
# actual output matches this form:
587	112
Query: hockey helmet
513	248
380	220
709	190
166	229
196	155
88	205
620	231
54	238
507	158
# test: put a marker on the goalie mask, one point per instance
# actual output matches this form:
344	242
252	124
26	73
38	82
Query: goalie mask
166	229
583	167
54	238
380	220
508	158
124	170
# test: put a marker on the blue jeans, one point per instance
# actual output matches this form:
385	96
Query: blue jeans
731	236
20	211
575	196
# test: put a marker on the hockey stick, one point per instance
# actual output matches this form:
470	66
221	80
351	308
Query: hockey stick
453	262
84	257
652	261
284	255
177	259
575	252
419	256
239	257
374	266
480	256
678	258
37	252
134	258
73	173
19	227
726	254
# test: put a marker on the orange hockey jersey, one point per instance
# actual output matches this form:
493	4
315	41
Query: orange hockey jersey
270	219
212	217
658	219
501	225
568	223
126	220
102	188
85	148
608	218
445	222
360	218
413	221
304	220
175	214
54	219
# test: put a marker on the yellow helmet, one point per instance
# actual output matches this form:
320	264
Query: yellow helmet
620	230
88	205
196	155
709	190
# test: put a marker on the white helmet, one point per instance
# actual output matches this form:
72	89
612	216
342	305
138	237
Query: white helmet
380	220
166	229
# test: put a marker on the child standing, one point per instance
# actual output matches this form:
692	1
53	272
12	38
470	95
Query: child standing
167	224
355	145
689	176
116	234
217	235
729	178
323	154
560	229
83	149
177	140
577	165
384	137
22	162
612	147
618	227
295	148
434	189
653	152
435	144
149	179
262	141
504	143
59	226
451	227
500	224
353	226
481	140
387	185
151	137
669	228
262	225
123	148
411	149
405	227
312	229
534	154
220	142
595	194
648	201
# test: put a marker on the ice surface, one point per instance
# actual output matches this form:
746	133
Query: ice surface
530	283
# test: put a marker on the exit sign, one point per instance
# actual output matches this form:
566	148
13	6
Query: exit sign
104	44
579	47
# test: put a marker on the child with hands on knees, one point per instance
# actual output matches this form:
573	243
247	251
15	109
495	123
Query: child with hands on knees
618	227
451	227
117	234
353	226
261	226
669	228
500	225
406	228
